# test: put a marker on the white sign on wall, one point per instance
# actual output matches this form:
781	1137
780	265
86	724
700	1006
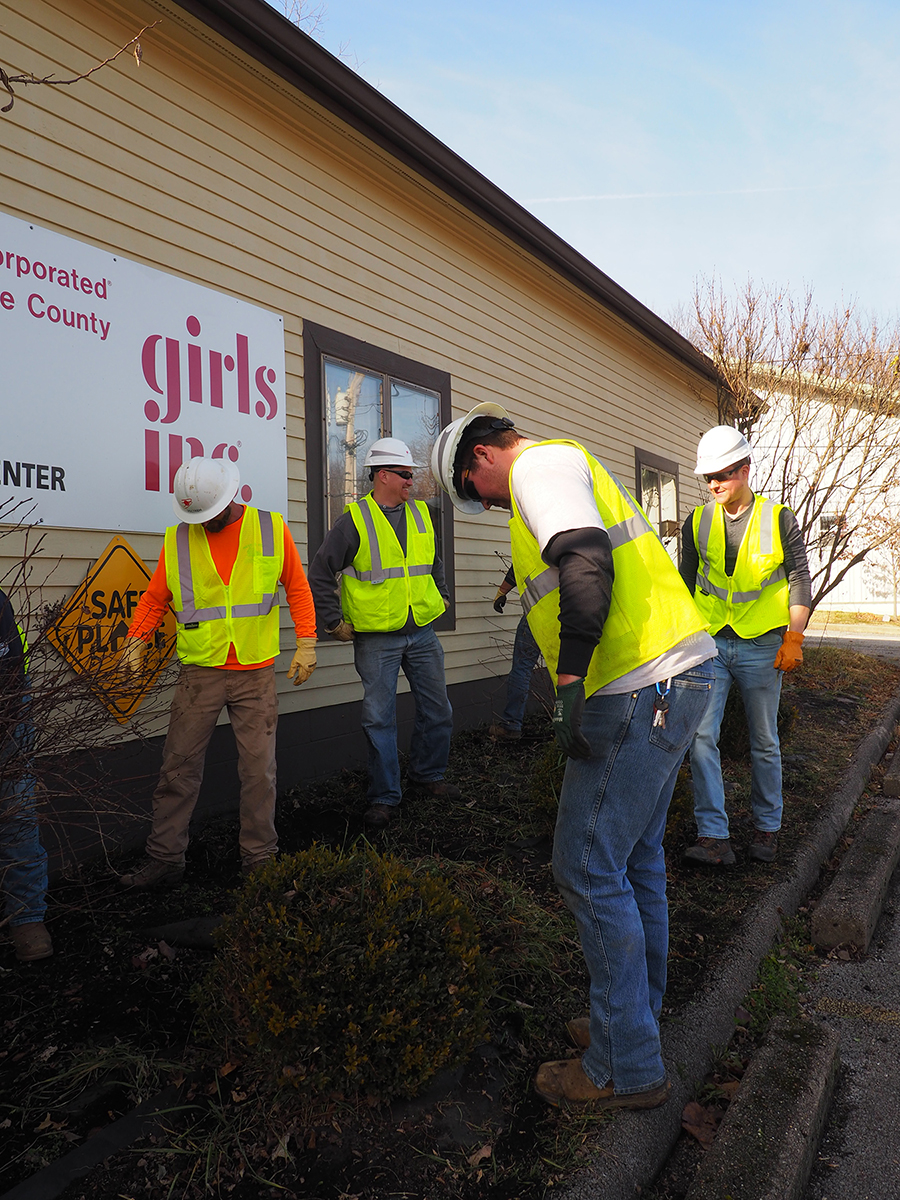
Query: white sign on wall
115	373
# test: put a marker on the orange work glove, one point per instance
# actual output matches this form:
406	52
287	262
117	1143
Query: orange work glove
304	661
789	653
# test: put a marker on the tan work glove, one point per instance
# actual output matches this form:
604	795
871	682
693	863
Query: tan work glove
789	653
131	659
342	632
304	661
500	600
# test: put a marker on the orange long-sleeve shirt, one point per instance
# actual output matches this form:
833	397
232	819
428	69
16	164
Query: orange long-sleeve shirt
223	547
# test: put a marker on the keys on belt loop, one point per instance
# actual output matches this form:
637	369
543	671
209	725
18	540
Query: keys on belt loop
661	704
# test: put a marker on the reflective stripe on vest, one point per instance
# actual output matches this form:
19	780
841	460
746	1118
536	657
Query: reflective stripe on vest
646	583
206	631
188	613
382	584
756	598
548	580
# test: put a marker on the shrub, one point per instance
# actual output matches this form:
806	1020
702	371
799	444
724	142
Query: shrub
347	973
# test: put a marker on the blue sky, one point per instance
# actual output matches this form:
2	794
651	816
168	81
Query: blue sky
667	140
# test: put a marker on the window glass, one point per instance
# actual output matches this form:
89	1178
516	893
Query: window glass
353	408
416	419
650	494
669	528
659	499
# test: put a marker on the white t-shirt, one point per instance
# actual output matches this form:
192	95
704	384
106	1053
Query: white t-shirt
554	492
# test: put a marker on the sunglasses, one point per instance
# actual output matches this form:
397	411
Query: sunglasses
469	488
402	474
722	476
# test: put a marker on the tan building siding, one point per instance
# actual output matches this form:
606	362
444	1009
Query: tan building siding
204	164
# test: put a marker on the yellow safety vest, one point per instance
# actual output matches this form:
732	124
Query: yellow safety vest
756	598
651	609
382	584
212	615
26	652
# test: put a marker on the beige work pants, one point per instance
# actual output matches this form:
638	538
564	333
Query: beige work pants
252	703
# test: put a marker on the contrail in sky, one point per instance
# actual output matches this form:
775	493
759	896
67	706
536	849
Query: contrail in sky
671	195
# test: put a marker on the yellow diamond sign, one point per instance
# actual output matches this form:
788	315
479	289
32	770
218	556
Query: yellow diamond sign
92	627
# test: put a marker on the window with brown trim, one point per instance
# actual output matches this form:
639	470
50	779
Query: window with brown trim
356	393
656	481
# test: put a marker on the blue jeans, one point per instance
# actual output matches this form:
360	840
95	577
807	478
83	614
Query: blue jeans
749	664
608	862
518	685
23	860
378	658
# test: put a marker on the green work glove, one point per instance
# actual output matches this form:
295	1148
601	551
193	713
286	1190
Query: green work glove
567	720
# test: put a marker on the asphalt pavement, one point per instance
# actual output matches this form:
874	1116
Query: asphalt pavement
882	639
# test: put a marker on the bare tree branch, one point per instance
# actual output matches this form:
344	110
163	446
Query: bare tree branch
817	394
8	80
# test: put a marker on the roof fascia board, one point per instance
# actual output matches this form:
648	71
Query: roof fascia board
268	37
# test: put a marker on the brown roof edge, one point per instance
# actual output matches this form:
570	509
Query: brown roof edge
275	42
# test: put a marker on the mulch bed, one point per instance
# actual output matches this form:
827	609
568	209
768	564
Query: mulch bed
108	1021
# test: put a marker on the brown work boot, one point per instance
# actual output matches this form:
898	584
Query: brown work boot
437	787
32	941
379	816
710	852
564	1084
764	846
579	1031
503	733
153	875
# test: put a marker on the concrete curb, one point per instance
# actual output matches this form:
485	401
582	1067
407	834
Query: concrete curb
849	910
766	1144
52	1180
632	1149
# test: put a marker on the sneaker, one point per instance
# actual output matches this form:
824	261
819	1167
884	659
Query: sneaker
503	733
153	874
710	852
31	941
564	1084
764	846
437	787
378	816
579	1031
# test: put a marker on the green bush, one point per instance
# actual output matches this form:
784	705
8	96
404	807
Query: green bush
347	973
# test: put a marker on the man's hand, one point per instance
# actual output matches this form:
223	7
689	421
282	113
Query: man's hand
567	720
342	632
131	659
500	600
304	661
789	653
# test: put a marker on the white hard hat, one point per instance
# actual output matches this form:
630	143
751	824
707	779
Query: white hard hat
444	451
389	452
203	488
719	448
